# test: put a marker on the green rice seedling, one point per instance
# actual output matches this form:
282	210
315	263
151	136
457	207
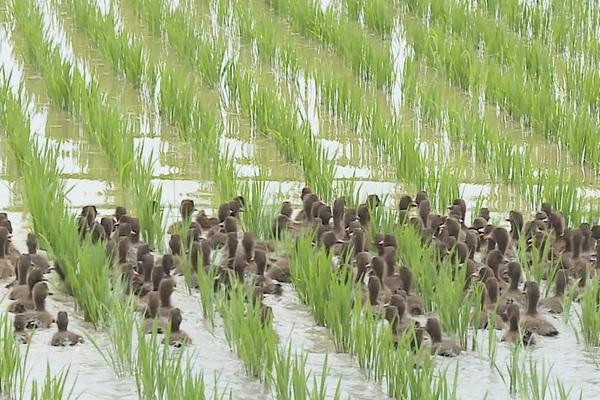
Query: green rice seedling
257	217
588	316
248	331
12	362
120	354
163	373
53	386
206	276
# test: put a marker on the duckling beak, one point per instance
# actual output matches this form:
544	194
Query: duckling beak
475	277
340	241
221	224
413	203
380	242
251	259
50	293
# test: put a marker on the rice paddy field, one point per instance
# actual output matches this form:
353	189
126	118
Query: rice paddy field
145	103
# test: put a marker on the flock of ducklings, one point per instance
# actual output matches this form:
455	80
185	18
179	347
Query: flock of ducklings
488	251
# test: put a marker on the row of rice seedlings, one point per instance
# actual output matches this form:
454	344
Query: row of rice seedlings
507	161
531	56
274	115
345	98
589	314
81	95
164	373
248	329
53	387
12	362
535	103
178	100
83	267
578	77
525	378
337	304
309	17
565	26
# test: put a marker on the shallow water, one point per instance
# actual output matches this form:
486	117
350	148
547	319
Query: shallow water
89	178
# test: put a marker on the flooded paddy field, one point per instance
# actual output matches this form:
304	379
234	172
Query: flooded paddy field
148	103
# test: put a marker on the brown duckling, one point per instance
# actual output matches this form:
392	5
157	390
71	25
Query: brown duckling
491	308
21	290
177	337
205	221
33	277
339	206
64	337
517	222
513	293
439	346
398	301
7	268
414	305
39	260
176	252
502	239
232	245
39	318
513	334
373	290
532	320
153	320
331	243
363	262
554	304
108	224
495	260
19	329
379	268
265	281
165	289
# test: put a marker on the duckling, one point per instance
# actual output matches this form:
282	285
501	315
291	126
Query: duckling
331	243
232	245
495	260
404	206
533	320
379	268
391	280
237	205
516	220
502	239
362	260
64	337
205	221
414	305
267	284
33	277
86	219
513	334
175	247
108	224
248	246
554	304
491	308
390	313
186	209
339	206
177	337
439	346
398	301
39	260
19	329
39	318
7	268
153	320
21	290
165	289
147	265
513	293
373	290
424	210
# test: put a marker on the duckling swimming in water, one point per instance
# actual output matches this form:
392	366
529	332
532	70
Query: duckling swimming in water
64	337
176	337
513	334
439	346
39	318
532	320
